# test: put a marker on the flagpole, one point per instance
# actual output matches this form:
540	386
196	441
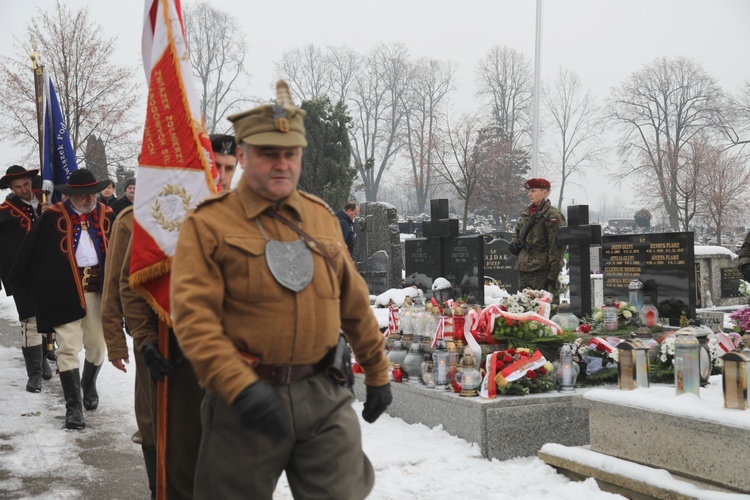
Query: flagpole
39	91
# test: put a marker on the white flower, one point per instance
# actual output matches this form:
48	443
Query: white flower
598	316
627	314
623	305
533	325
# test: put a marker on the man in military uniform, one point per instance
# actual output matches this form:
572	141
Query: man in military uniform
225	158
18	213
540	258
62	261
261	287
185	394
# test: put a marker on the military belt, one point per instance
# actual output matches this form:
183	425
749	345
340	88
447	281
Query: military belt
288	374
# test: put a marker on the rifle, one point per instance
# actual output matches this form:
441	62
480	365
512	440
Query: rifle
520	244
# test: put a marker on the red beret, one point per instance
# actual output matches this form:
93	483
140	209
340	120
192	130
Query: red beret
537	184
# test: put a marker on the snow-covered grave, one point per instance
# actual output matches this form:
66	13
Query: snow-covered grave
689	437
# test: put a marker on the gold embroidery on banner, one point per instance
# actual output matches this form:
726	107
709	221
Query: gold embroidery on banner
170	207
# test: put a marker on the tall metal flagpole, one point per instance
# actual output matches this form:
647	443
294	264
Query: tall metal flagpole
537	90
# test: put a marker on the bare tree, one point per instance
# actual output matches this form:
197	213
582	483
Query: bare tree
375	99
96	96
343	64
659	109
217	56
577	126
723	186
734	122
458	161
428	84
504	79
306	70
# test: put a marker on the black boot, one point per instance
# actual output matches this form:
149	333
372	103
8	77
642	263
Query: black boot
46	368
88	384
33	358
71	384
149	457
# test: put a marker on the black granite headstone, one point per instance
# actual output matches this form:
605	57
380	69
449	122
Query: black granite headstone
375	272
664	262
442	252
463	266
730	282
579	235
499	263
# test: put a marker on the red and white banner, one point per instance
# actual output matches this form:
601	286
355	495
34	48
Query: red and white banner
175	168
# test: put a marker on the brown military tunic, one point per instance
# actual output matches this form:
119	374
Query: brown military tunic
224	298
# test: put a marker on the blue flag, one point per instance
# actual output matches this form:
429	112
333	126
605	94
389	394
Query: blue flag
59	159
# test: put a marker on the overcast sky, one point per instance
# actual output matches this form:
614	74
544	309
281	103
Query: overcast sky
603	41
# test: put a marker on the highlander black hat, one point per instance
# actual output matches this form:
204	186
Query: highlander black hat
82	181
16	172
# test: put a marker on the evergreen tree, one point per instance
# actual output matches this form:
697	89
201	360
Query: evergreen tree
96	158
326	170
643	218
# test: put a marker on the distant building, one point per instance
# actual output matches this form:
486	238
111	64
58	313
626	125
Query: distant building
622	223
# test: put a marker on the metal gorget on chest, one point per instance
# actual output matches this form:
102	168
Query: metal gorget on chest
291	263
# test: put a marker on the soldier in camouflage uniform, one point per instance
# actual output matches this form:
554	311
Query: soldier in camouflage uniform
540	258
744	261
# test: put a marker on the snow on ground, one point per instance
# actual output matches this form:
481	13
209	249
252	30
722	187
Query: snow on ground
411	461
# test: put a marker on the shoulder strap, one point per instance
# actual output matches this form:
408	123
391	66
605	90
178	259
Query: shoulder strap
275	215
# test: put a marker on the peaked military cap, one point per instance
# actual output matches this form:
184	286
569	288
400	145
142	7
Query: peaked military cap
224	144
280	124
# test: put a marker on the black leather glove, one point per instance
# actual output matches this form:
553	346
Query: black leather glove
515	247
746	272
158	365
378	399
550	285
259	408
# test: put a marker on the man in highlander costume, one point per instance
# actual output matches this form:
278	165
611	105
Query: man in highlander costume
18	213
261	286
61	262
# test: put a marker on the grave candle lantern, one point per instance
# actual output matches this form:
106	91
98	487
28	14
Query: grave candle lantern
441	368
470	378
735	374
565	318
633	364
649	314
686	363
567	370
407	323
636	294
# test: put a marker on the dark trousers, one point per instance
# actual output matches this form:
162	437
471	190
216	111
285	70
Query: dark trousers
322	456
184	432
145	401
534	279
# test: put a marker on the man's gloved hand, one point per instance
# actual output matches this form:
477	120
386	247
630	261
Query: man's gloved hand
158	365
746	272
550	285
259	408
378	399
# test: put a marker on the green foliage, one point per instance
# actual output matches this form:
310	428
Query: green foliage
524	386
326	170
643	218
